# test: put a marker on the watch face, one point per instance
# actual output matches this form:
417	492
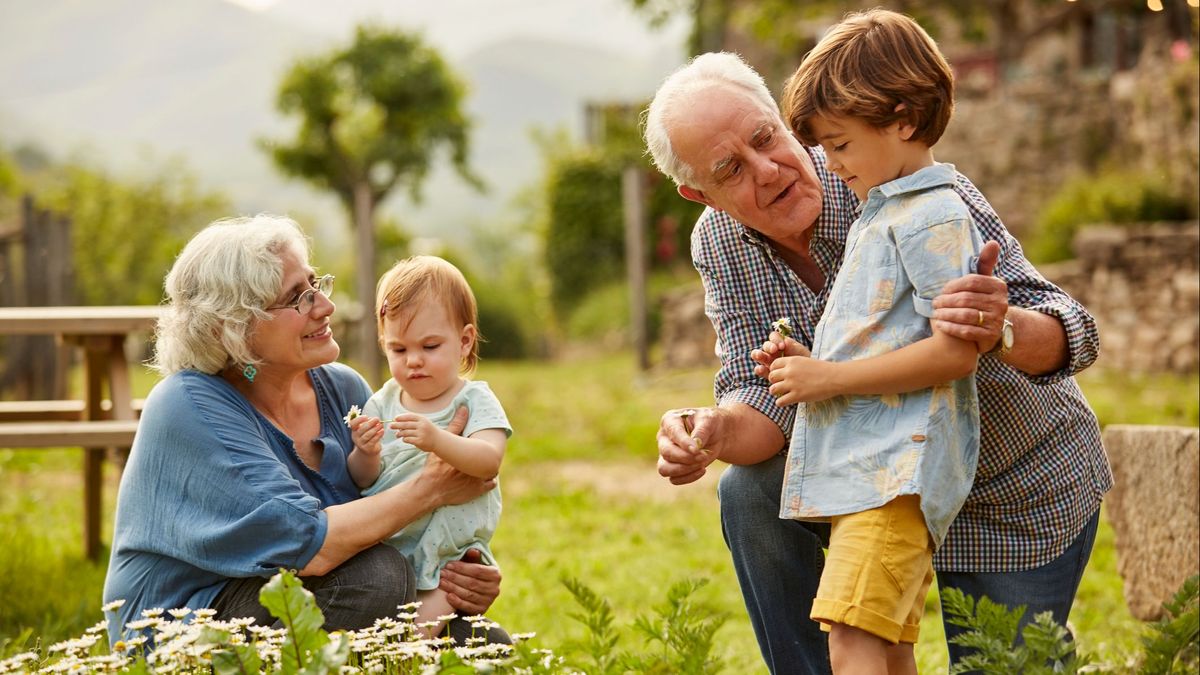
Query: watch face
1006	335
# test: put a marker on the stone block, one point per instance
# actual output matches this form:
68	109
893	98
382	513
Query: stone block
1154	508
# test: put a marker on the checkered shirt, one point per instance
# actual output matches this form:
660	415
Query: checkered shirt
1042	469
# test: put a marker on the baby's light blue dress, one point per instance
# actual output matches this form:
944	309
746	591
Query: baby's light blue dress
448	532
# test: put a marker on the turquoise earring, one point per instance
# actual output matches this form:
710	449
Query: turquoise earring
249	372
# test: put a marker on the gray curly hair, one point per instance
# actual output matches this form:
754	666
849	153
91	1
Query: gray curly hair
217	289
676	95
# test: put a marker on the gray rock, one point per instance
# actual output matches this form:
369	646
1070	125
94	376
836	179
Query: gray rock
1154	508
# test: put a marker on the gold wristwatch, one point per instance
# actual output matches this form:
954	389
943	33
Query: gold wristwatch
1005	344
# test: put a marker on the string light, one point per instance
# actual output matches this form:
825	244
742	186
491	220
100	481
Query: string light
1193	3
1154	5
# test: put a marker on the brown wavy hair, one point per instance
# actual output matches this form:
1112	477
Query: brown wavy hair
867	66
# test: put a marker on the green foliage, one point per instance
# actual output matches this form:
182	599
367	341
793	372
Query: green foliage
992	633
1120	397
679	637
1111	197
126	232
603	315
9	181
1172	643
287	600
584	242
230	658
371	114
601	642
685	630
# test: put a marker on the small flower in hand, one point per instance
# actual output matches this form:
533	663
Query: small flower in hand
783	326
355	411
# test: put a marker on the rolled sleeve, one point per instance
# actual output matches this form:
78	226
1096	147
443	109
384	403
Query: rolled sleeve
761	400
1083	340
1028	289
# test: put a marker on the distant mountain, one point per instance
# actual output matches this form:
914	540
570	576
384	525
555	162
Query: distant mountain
196	78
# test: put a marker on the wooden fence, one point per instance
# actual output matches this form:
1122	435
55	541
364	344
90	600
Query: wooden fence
36	270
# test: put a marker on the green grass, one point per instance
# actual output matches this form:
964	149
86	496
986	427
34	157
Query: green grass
581	499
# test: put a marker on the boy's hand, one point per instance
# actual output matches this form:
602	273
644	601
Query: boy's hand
775	347
799	378
417	430
367	434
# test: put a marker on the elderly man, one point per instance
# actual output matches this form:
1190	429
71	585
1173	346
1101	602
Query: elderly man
769	246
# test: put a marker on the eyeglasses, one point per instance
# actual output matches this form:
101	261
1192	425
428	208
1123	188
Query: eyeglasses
304	303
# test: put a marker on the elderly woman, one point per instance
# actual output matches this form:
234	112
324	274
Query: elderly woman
239	464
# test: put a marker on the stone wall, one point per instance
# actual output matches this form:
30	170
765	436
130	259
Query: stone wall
687	335
1142	285
1022	142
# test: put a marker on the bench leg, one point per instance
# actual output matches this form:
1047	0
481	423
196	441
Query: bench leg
93	475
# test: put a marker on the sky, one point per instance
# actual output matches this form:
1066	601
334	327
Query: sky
459	26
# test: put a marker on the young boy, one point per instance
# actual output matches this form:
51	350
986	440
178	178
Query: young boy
886	444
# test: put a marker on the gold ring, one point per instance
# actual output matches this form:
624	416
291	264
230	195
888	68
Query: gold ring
981	318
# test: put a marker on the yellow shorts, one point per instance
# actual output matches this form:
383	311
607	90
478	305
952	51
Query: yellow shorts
878	570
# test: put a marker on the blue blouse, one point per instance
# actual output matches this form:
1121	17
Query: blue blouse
213	490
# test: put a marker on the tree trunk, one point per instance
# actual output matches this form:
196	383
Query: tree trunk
364	234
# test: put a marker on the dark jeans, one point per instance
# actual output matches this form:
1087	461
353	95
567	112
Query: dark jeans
369	586
779	562
1049	588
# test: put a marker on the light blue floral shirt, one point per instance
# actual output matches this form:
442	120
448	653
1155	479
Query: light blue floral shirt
853	453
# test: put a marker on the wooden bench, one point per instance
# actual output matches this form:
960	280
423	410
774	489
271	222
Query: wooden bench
38	411
95	437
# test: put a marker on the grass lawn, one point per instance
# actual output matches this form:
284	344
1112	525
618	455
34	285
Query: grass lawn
581	500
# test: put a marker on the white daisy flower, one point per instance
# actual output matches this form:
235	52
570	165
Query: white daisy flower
355	411
783	326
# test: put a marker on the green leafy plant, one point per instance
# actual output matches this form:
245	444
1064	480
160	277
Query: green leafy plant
679	636
992	632
1173	642
1112	197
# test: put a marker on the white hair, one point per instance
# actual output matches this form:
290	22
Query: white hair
678	95
218	287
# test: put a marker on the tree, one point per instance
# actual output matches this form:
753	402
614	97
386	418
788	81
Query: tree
372	117
126	232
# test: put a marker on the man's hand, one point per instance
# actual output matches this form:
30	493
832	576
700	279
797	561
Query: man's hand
973	307
470	586
775	347
685	443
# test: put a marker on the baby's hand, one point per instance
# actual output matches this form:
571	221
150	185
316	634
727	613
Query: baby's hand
417	430
367	433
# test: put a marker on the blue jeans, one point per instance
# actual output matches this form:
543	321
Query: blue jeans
1049	588
778	564
368	586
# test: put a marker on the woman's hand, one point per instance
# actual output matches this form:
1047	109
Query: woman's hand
470	586
449	485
